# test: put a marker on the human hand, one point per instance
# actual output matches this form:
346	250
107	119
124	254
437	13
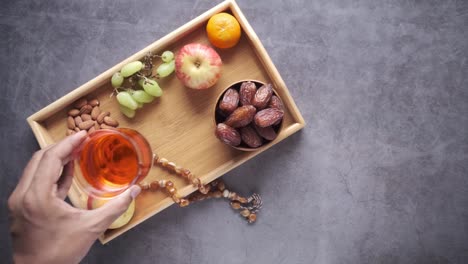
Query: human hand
46	229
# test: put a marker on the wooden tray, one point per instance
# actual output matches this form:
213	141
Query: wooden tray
179	126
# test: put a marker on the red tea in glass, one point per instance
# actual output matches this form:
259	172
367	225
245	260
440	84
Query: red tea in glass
111	160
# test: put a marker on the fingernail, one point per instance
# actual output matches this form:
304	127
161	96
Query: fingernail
135	191
80	134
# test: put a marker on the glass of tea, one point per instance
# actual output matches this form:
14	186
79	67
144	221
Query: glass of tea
111	160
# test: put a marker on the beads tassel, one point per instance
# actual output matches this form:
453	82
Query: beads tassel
248	207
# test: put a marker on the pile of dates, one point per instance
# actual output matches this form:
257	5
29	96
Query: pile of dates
247	116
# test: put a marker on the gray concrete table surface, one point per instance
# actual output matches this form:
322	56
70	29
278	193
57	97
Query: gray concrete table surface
379	174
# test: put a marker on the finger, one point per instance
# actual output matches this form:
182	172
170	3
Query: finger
50	167
103	216
27	176
65	181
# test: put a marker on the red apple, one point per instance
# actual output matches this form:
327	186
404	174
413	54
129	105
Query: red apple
198	66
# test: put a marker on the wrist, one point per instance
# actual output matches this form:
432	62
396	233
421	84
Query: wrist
19	258
24	258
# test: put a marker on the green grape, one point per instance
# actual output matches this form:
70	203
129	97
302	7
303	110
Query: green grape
167	56
165	69
140	82
142	97
125	99
131	68
151	87
117	80
127	111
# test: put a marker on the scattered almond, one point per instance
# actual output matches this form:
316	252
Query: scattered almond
85	117
93	102
101	116
110	121
73	112
104	126
78	120
70	132
80	103
85	125
95	112
86	109
71	123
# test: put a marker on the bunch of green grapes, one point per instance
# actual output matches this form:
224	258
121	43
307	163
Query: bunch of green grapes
130	99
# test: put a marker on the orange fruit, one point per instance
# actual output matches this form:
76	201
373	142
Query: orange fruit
223	30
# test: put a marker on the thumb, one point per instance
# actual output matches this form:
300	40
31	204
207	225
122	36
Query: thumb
110	211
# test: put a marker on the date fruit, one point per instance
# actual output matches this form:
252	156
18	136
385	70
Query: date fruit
262	96
267	133
247	93
248	117
230	101
228	135
241	117
250	137
268	117
275	102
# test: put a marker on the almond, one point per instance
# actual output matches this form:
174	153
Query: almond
111	121
101	116
73	112
71	122
70	132
85	117
86	109
78	120
95	112
94	102
86	125
104	126
80	103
